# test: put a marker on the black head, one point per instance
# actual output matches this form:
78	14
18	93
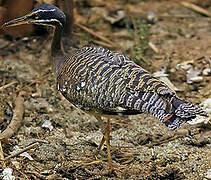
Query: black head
44	14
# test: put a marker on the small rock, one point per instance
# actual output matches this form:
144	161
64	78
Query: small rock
152	17
7	174
206	71
183	132
203	121
193	75
208	174
47	124
196	79
200	121
207	105
115	17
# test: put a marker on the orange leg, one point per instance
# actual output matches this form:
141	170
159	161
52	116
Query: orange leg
100	146
106	129
103	130
107	139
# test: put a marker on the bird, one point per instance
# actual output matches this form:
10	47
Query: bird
105	83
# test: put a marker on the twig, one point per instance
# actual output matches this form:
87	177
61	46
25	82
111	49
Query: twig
176	16
165	139
16	120
22	151
153	47
2	156
36	174
128	160
196	8
95	34
53	176
88	163
23	174
8	85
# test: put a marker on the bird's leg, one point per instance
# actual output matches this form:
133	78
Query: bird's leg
103	130
106	129
100	146
107	139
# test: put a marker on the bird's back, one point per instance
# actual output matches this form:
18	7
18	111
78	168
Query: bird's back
97	79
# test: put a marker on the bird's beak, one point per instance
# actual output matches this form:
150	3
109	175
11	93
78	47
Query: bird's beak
18	21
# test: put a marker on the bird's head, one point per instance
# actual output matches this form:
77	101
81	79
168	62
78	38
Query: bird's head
44	14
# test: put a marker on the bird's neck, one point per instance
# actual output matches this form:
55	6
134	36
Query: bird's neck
57	53
56	49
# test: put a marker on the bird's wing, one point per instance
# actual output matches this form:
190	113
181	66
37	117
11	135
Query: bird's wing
136	78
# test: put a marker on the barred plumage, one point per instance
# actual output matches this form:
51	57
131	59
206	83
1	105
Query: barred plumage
99	80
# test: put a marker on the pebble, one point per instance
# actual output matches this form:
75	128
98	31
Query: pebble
152	17
7	174
207	105
206	71
208	174
47	124
196	79
183	132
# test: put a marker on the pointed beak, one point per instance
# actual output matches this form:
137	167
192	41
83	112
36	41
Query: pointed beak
18	21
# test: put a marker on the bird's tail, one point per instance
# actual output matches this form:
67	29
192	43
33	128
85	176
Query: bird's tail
172	111
181	113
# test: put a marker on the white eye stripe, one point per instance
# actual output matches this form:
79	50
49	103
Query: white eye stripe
44	10
50	20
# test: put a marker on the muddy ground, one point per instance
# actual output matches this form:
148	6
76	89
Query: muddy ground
142	147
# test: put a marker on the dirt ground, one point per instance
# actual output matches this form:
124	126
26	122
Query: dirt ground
142	147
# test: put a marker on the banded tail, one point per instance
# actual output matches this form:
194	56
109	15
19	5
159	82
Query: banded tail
171	110
181	113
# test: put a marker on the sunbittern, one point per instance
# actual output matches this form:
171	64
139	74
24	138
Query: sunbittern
103	82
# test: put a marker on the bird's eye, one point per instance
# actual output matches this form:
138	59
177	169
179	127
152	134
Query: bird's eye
35	16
